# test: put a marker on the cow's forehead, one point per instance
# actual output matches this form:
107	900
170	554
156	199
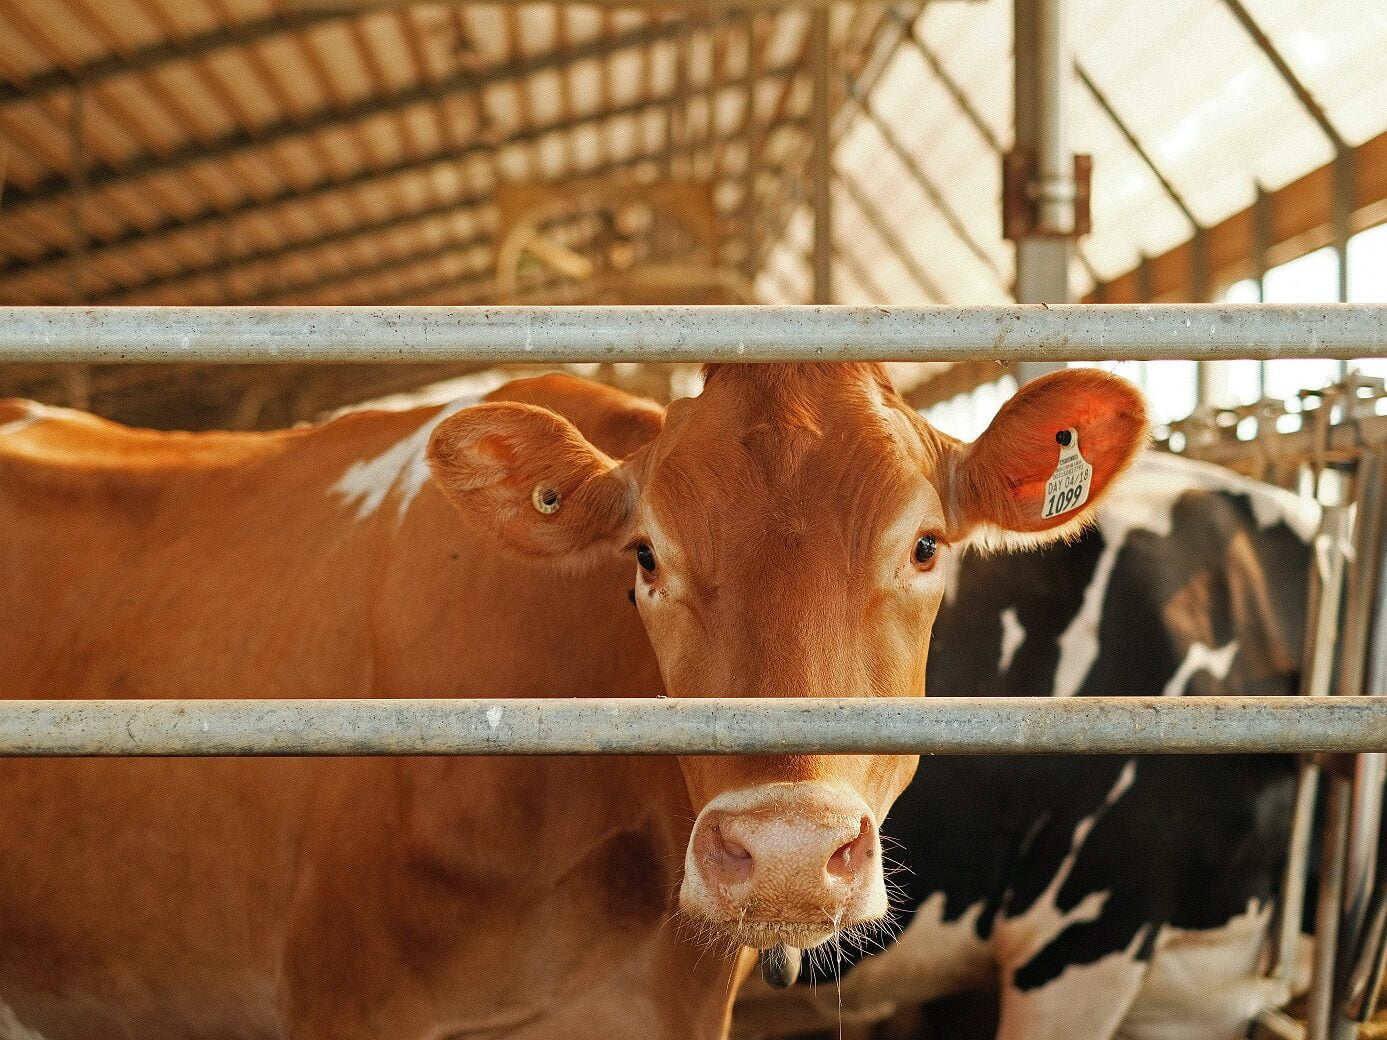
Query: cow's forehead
792	453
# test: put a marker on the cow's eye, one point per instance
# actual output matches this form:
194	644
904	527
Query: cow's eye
925	547
645	556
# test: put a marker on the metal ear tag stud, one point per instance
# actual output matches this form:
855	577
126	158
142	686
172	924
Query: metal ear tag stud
545	499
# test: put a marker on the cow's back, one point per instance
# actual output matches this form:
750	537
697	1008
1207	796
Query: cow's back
143	564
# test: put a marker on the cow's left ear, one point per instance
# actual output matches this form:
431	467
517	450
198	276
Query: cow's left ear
1049	455
527	476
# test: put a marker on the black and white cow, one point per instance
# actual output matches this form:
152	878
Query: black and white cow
1104	897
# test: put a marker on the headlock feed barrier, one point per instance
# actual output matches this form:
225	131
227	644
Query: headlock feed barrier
1094	725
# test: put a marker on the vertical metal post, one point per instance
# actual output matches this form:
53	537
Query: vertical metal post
1042	69
1345	194
1261	259
1332	549
1328	908
823	160
1054	184
1362	621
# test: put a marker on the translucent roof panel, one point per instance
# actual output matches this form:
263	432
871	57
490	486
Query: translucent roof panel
1185	78
1336	48
1199	94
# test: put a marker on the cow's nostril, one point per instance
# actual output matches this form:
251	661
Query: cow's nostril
731	862
733	850
852	856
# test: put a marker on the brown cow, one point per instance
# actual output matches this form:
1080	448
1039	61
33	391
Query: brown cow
786	533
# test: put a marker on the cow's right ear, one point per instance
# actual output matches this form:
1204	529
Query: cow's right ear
528	476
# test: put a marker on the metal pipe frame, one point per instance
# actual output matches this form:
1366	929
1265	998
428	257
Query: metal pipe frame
726	726
503	335
1362	643
1040	70
1054	185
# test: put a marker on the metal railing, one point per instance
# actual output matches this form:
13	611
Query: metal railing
499	335
660	334
511	335
725	726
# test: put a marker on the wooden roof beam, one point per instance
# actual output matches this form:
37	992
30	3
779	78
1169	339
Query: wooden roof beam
209	219
473	204
331	117
169	52
1295	219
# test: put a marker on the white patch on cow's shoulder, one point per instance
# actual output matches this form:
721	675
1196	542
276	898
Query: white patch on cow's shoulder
402	468
1206	984
931	958
1086	1000
33	413
1201	658
1144	500
1019	938
11	1028
1013	635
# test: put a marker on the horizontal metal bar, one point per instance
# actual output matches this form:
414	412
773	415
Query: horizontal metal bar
1071	332
739	726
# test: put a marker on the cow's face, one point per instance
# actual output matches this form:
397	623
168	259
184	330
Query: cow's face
789	531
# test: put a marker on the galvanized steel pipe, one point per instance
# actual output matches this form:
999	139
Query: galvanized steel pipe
935	725
1068	332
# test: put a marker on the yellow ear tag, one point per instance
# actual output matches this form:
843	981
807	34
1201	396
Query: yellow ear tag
1068	488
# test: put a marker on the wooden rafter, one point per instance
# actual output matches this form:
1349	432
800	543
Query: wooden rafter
288	245
1298	218
346	114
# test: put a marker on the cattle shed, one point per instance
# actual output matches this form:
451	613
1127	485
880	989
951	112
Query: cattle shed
303	152
250	215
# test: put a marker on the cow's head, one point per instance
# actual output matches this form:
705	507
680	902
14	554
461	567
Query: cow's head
789	531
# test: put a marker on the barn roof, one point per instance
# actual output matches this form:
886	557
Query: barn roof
296	151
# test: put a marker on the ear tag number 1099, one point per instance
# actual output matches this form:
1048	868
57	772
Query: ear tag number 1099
1068	488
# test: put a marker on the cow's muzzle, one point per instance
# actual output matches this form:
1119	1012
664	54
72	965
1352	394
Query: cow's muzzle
784	863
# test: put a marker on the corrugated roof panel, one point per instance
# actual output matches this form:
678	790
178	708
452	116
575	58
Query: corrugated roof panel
20	56
1132	214
486	31
545	92
972	43
239	77
536	28
1337	48
1205	102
